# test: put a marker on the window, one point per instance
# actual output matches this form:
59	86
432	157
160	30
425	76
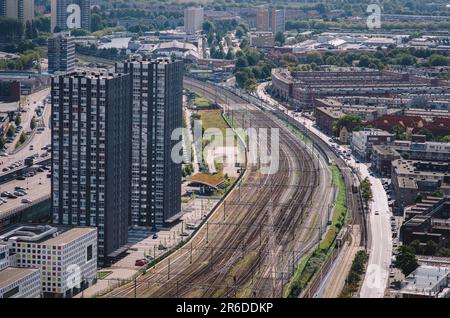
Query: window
89	253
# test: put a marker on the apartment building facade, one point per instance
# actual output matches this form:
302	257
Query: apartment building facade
193	20
91	127
61	53
22	10
157	110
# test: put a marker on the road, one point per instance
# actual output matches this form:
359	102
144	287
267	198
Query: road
377	273
39	139
251	243
37	187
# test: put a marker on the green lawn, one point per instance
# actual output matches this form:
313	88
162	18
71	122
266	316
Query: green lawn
103	275
201	102
213	119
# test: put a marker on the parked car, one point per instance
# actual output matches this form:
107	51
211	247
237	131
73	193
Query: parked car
26	201
141	262
155	236
19	193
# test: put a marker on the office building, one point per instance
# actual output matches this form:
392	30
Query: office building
18	282
65	258
70	14
22	10
193	20
157	110
91	125
61	53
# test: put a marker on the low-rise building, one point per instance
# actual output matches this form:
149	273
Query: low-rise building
16	282
409	177
382	157
426	282
363	140
66	257
262	39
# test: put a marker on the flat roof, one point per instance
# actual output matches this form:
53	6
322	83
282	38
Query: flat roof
425	278
63	234
10	275
69	235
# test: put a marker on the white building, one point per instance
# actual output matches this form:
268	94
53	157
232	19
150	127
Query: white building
363	140
193	20
18	282
66	258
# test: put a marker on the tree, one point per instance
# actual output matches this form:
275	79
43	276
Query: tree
416	246
18	120
347	121
22	137
229	55
33	123
96	22
241	62
438	60
253	56
406	260
208	27
11	131
427	133
239	33
279	37
314	57
430	248
2	142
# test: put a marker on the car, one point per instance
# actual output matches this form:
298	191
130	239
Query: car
141	262
31	147
155	236
392	218
45	167
49	175
40	170
377	213
19	188
5	169
23	191
20	178
12	196
19	193
4	200
26	201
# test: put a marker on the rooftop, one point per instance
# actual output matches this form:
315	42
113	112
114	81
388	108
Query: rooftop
426	280
45	233
11	275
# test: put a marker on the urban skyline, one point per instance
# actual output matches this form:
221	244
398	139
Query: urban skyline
246	150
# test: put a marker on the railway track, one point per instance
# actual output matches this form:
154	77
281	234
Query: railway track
247	242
